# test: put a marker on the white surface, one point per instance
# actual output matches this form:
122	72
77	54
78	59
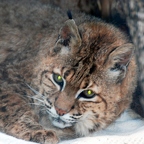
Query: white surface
128	129
5	139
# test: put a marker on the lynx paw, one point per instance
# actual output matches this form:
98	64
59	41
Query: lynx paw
45	137
42	137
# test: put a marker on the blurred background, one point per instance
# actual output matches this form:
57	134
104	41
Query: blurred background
128	15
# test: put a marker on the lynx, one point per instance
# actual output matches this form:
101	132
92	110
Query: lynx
60	78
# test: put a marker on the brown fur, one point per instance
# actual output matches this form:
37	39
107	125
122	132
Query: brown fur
88	54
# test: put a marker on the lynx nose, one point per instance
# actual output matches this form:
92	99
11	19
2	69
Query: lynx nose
60	111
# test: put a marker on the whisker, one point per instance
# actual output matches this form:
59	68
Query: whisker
43	109
37	104
35	98
36	92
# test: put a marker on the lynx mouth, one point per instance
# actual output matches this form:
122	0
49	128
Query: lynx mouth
60	123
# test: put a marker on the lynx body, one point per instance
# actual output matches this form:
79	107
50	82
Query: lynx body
60	78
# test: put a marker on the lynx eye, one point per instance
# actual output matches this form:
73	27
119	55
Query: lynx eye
87	94
58	79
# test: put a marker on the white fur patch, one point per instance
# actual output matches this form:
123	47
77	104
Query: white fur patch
114	73
57	70
64	50
67	118
53	112
61	124
85	124
94	99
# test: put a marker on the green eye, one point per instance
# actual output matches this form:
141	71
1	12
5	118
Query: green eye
57	78
88	93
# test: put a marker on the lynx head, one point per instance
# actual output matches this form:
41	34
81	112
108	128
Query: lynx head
89	76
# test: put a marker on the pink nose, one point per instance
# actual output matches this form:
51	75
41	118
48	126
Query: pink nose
60	111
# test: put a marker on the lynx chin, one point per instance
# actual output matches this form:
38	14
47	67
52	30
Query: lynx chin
60	78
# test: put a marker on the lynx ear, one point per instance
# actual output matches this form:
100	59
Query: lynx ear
69	36
119	60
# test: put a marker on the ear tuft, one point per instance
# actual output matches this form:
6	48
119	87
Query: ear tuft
69	14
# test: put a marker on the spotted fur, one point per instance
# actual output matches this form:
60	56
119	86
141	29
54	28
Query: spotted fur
60	78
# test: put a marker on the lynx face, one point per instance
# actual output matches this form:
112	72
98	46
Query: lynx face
88	77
